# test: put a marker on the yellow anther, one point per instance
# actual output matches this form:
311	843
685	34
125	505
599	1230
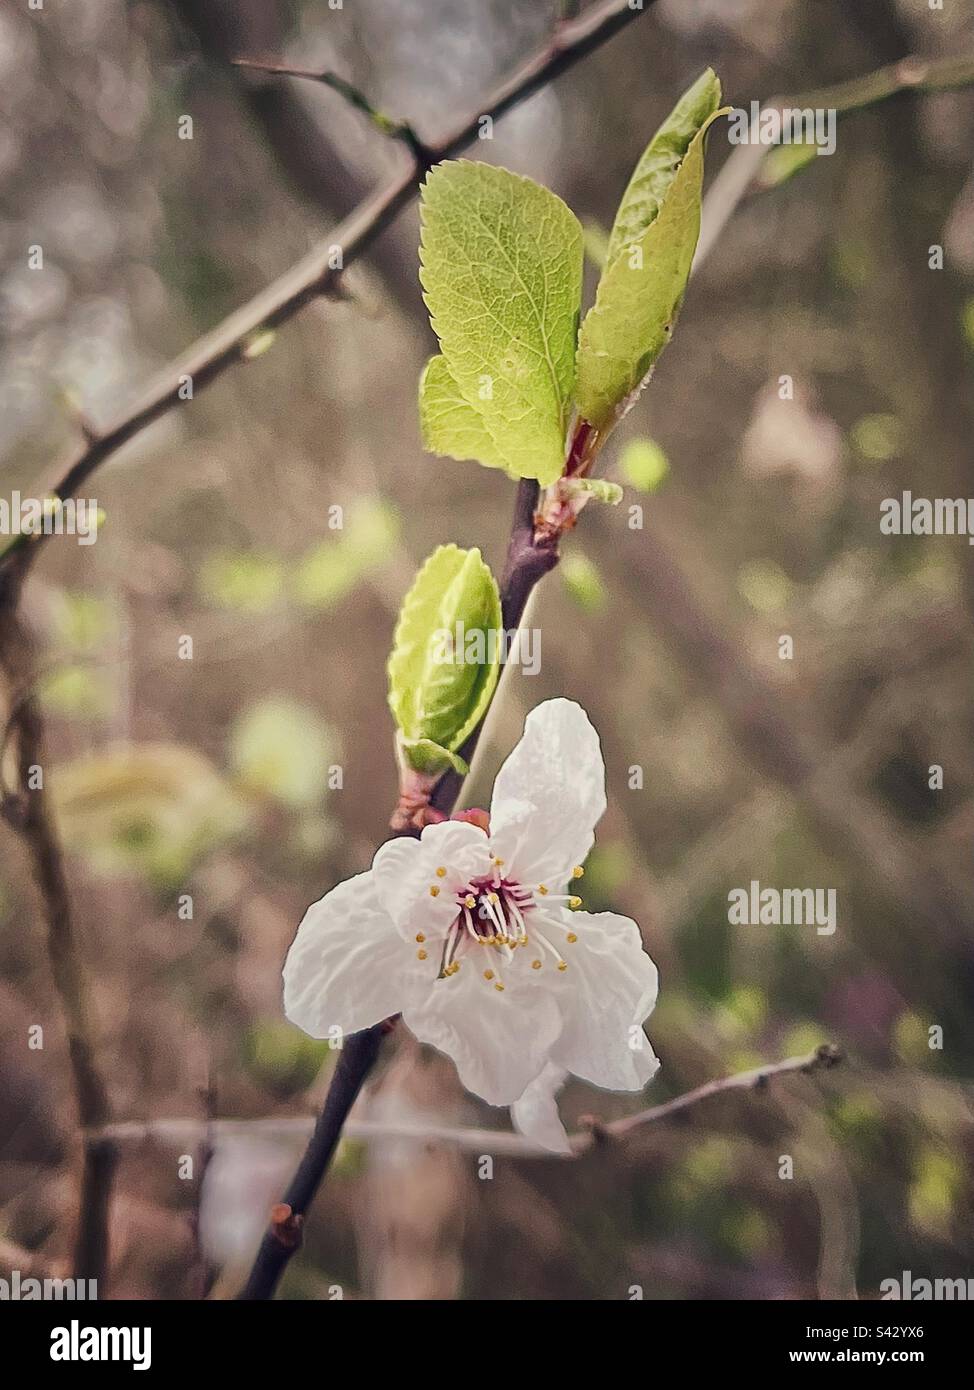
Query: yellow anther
574	902
542	890
578	871
492	898
499	988
420	937
498	862
488	974
420	955
441	872
572	938
562	965
535	965
470	901
434	891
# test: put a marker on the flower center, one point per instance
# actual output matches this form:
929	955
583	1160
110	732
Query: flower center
492	910
495	910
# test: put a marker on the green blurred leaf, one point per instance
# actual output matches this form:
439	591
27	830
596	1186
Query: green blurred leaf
967	321
937	1187
152	809
583	582
643	464
76	692
281	1058
502	275
281	748
82	621
877	437
764	585
250	580
332	568
638	298
438	702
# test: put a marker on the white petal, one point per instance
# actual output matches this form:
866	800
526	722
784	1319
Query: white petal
605	995
549	795
405	870
535	1113
347	967
499	1041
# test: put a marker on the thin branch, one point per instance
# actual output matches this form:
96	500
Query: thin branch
527	562
741	176
34	824
498	1143
283	1236
316	275
386	125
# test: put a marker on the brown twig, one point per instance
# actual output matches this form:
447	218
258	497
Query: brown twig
744	173
34	824
499	1143
317	275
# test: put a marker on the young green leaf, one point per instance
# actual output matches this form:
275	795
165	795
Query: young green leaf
598	489
638	298
439	690
502	274
449	425
656	170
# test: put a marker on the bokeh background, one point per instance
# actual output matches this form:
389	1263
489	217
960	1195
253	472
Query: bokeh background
214	777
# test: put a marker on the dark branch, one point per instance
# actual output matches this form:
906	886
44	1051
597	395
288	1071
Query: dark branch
315	275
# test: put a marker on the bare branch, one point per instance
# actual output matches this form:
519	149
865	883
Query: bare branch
316	275
741	175
498	1143
34	824
386	125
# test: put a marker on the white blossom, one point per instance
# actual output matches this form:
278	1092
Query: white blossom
476	939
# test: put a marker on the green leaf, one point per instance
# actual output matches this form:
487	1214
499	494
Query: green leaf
449	425
597	488
656	170
502	275
423	755
638	299
437	700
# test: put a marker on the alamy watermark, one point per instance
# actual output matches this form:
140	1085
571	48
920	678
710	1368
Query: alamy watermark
774	907
20	1288
910	1290
49	516
77	1343
787	125
476	646
907	515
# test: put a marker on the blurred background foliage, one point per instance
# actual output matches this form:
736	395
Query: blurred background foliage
277	520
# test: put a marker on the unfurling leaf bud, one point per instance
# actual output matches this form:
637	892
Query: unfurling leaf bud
445	660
